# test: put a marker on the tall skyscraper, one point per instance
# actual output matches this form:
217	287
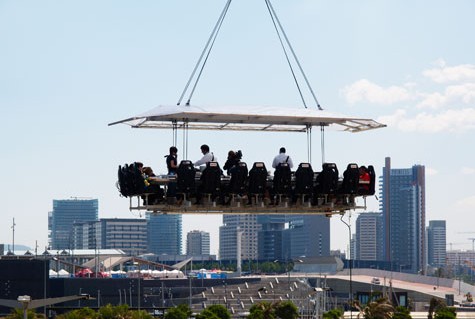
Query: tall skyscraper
368	235
249	227
164	233
197	243
65	213
403	208
436	243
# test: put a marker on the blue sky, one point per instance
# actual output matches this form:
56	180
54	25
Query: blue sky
68	68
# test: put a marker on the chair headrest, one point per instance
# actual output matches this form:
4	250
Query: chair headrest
213	164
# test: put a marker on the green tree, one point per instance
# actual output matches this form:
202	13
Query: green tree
207	314
262	310
18	314
81	313
112	312
175	313
402	313
333	314
434	305
185	308
445	313
220	311
286	310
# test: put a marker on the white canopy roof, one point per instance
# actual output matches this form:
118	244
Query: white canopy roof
245	118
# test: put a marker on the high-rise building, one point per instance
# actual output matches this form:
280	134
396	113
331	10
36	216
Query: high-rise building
403	206
284	237
197	243
269	238
164	233
436	243
87	235
368	235
126	234
249	227
65	213
306	235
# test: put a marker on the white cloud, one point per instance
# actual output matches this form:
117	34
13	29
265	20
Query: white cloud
366	91
463	93
468	170
450	120
444	74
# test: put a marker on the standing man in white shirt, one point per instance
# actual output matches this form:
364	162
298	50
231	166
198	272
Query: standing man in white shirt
282	158
207	156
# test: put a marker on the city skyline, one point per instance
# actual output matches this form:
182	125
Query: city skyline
67	70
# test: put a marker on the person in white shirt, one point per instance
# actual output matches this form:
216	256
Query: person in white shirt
207	156
282	158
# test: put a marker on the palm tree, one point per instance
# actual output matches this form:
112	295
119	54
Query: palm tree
378	309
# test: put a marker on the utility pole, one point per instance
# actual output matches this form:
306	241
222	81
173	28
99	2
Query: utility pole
473	243
13	231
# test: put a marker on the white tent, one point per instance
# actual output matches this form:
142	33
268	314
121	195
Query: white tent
63	273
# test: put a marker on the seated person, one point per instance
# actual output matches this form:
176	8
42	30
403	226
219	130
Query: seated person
231	162
207	156
282	157
155	191
172	165
364	181
210	182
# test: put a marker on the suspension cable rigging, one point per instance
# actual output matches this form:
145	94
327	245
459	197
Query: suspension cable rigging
281	36
206	50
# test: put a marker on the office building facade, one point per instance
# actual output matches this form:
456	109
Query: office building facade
402	200
270	237
164	233
306	236
368	235
65	213
126	234
436	243
285	237
197	243
247	224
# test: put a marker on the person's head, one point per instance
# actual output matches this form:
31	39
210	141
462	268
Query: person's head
148	171
231	154
173	150
204	148
363	169
282	150
139	165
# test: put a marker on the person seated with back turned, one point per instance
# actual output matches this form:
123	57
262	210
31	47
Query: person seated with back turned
207	156
231	162
282	158
172	165
201	163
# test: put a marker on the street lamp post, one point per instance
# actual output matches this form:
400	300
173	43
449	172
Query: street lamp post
349	261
